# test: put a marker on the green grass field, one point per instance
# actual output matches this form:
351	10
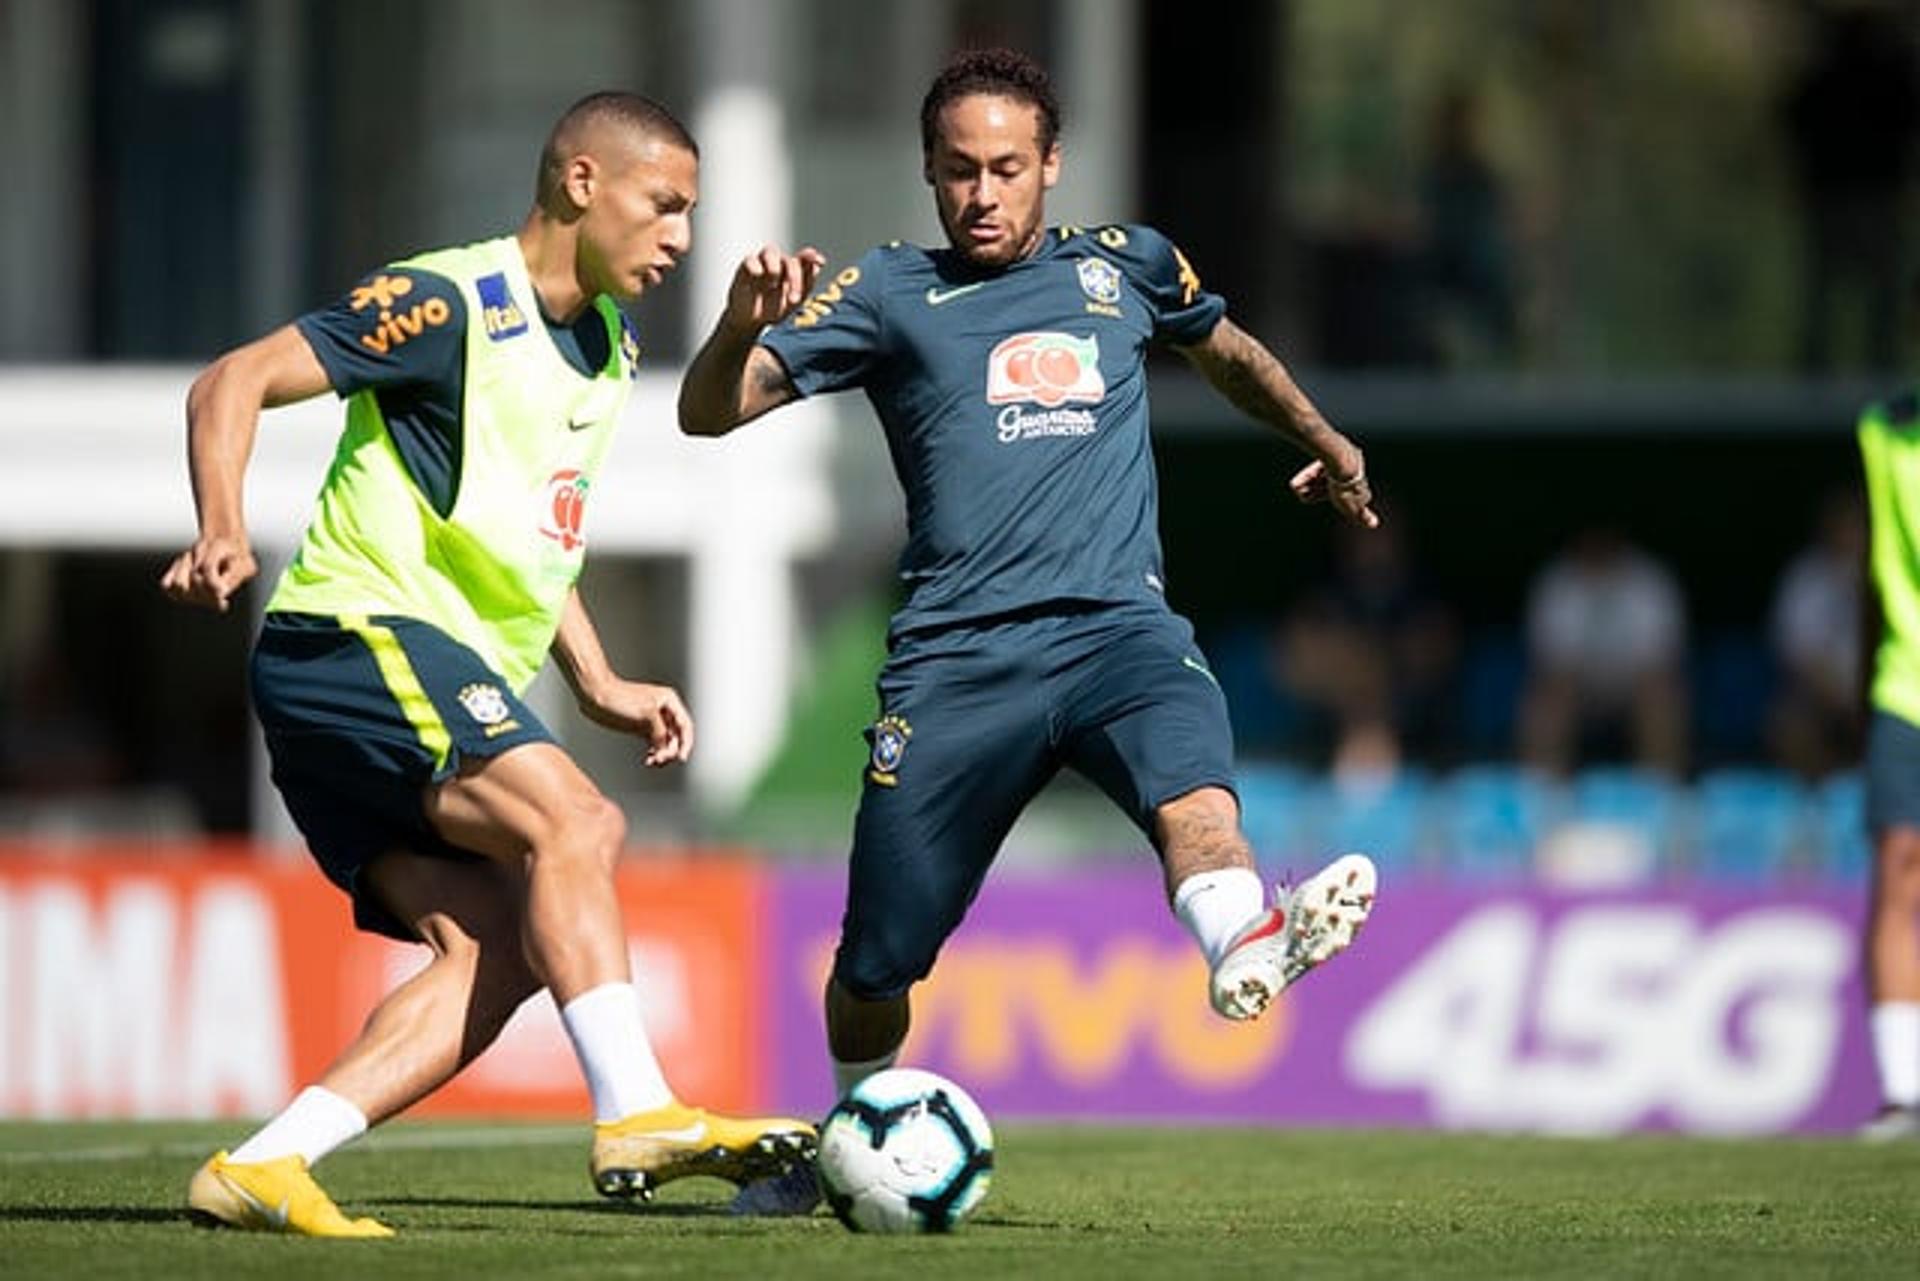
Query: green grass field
103	1200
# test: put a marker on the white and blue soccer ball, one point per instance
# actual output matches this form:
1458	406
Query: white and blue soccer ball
905	1151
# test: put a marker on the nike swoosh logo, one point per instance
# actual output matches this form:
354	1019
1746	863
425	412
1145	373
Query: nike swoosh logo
937	296
579	424
1198	667
685	1134
276	1215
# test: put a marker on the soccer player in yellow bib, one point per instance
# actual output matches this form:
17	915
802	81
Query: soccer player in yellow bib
1890	450
483	385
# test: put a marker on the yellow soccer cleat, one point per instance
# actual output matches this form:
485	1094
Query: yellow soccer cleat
270	1196
635	1155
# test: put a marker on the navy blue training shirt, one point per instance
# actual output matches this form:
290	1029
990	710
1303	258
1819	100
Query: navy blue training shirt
419	373
1015	406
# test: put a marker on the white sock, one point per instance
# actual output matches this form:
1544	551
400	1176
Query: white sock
610	1037
1215	906
1896	1050
314	1124
848	1075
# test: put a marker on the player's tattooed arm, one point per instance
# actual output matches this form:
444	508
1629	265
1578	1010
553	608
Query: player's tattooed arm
1242	369
728	385
732	379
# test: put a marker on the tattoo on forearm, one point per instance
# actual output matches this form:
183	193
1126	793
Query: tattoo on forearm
1257	384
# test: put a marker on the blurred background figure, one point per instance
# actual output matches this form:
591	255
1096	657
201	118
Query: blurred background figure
1889	438
1606	649
1469	247
1365	283
1815	723
1852	122
1371	654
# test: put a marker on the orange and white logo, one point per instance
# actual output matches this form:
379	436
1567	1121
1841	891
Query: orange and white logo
1050	368
394	326
563	507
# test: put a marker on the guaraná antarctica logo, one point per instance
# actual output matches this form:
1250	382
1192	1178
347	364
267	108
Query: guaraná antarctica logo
1051	370
563	507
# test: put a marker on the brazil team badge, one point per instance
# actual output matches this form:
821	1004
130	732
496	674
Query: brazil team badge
889	736
1100	280
486	704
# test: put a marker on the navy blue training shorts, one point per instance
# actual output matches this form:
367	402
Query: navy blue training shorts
1893	773
361	714
974	721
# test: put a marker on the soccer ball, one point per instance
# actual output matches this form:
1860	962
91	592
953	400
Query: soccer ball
905	1151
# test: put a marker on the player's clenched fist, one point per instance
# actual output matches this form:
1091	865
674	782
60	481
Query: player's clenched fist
770	283
210	572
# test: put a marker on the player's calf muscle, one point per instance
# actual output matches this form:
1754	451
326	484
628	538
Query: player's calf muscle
1200	832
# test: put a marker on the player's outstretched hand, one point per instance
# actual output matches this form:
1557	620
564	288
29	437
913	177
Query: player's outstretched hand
210	572
1352	497
654	713
770	283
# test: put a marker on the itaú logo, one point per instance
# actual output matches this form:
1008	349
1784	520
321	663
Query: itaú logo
563	506
1049	368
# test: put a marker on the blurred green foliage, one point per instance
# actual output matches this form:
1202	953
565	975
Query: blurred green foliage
1638	144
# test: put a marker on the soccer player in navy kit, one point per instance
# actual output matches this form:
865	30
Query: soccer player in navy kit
1008	373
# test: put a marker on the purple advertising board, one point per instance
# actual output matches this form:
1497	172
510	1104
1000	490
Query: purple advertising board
1703	1009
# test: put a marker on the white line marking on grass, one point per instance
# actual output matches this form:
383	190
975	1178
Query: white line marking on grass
409	1140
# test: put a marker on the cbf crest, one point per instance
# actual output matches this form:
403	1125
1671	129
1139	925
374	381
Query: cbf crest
1100	280
889	736
487	705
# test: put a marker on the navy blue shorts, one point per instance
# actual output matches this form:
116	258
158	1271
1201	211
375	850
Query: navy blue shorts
1893	773
361	716
974	721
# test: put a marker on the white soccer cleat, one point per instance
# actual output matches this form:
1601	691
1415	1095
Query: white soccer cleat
1892	1124
1307	925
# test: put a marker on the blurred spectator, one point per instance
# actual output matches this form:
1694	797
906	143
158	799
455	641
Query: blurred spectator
1816	720
1469	250
1852	121
1606	638
1373	654
1365	285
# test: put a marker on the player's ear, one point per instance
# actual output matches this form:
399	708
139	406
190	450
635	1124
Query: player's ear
1050	167
582	179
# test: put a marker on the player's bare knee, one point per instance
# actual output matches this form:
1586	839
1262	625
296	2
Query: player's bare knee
589	831
1898	871
604	829
451	940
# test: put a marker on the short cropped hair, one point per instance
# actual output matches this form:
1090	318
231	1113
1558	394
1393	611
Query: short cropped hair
633	111
1004	73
